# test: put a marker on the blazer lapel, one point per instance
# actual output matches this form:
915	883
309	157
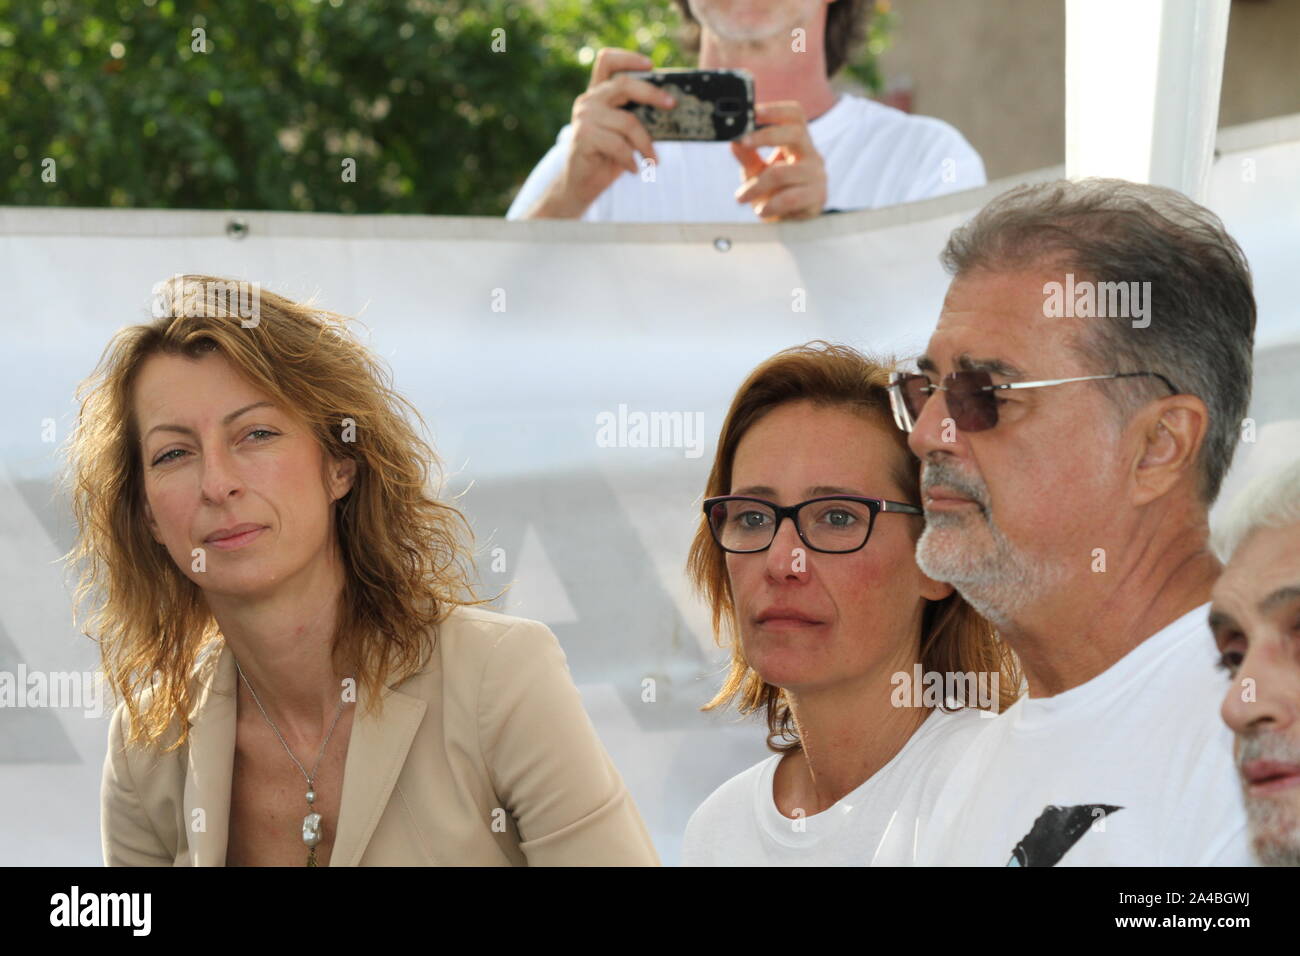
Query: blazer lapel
211	765
376	754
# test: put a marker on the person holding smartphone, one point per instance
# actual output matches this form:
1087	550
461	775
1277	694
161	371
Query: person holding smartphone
817	151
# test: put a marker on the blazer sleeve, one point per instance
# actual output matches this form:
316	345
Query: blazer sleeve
546	762
127	835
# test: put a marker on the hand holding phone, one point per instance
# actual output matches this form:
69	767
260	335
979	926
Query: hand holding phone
711	105
605	136
792	182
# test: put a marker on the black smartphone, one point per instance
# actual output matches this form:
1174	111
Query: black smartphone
712	105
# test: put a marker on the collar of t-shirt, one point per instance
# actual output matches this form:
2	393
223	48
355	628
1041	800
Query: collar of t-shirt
816	827
833	118
1035	714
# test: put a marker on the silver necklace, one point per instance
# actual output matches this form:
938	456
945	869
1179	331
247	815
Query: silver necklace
311	822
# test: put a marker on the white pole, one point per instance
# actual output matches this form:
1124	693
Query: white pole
1142	82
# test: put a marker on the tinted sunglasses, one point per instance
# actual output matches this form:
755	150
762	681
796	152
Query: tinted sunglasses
972	396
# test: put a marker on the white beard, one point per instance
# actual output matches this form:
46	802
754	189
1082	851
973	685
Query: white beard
971	553
1274	832
1274	822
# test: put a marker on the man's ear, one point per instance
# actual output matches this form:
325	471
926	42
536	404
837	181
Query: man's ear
1170	437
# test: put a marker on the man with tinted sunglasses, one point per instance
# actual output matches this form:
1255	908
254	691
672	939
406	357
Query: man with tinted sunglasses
1069	464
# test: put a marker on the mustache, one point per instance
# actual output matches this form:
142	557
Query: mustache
1266	745
942	473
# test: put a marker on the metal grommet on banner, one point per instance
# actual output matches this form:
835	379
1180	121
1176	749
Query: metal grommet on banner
237	228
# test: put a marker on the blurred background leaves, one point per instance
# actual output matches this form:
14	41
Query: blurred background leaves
120	95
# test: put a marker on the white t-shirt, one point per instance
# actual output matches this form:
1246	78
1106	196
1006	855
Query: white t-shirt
875	155
739	824
1131	768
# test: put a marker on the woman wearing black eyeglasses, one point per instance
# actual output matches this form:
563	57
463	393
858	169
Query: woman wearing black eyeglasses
869	674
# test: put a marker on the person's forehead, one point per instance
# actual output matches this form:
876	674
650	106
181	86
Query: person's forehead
1000	316
168	385
833	441
811	423
164	370
157	384
1267	561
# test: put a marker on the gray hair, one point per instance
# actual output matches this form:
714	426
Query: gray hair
1271	500
1201	331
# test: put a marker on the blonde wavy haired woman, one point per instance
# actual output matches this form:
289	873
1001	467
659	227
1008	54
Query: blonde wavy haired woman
870	675
286	611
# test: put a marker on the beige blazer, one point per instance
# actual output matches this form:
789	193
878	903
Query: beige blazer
492	722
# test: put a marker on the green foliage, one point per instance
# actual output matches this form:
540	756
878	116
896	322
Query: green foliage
121	96
865	68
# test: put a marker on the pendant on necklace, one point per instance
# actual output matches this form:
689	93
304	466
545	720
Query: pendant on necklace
311	828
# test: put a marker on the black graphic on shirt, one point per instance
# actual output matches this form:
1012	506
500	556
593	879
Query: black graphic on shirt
1055	831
